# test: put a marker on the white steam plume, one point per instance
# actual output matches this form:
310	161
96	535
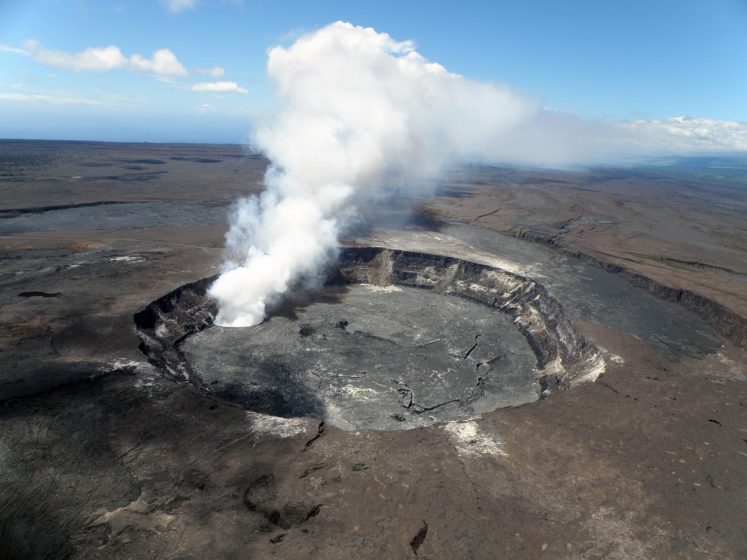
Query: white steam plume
360	113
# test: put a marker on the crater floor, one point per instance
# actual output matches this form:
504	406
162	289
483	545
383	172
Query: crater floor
371	357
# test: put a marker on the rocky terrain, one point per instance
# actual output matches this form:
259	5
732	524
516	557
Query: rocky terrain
104	454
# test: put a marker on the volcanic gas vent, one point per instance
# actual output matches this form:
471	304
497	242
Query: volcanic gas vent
395	340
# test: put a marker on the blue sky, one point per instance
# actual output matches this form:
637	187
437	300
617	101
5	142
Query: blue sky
597	59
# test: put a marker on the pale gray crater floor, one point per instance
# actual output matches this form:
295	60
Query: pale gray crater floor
367	357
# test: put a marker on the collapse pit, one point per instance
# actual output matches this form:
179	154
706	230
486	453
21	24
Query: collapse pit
395	340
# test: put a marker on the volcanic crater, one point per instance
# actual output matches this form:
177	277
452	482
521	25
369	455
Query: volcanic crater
395	340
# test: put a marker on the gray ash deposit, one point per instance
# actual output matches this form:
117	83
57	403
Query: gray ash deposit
396	340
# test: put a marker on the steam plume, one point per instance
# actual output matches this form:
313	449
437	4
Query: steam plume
359	113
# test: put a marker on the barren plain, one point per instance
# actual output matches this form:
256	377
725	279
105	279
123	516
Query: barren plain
641	453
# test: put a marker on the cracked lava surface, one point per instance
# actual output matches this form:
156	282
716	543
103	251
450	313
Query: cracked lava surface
364	356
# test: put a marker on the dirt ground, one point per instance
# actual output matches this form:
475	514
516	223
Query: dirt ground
101	456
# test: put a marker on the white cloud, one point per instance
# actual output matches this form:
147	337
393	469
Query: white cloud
205	108
93	58
7	48
223	87
688	134
176	6
163	62
215	71
57	99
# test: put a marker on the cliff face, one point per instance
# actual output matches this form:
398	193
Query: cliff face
169	320
563	355
726	322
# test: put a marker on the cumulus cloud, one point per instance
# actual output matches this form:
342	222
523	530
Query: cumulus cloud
176	6
93	58
163	62
686	134
553	138
215	71
223	87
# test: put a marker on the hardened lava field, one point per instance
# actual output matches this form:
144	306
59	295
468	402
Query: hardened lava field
106	455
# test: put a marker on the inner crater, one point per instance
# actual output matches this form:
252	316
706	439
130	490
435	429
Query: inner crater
396	340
